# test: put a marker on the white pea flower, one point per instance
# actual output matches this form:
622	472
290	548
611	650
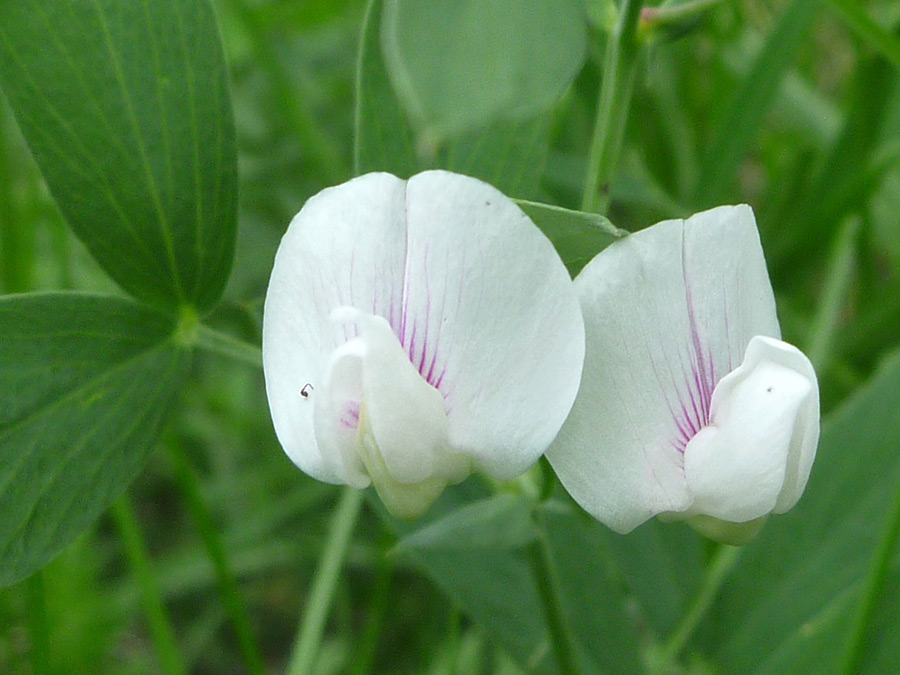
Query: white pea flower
690	406
415	331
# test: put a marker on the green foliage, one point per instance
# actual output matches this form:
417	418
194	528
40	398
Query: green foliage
789	606
383	140
576	235
85	383
739	125
509	59
126	110
132	130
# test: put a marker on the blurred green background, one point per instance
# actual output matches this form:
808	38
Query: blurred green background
783	104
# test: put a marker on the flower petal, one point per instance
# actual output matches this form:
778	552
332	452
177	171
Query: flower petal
668	312
805	439
380	417
477	297
736	467
346	247
490	319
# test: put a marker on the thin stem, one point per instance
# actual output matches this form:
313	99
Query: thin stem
38	624
620	65
161	630
189	486
309	637
837	282
544	569
210	340
722	563
874	585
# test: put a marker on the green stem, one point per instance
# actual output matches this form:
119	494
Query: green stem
837	282
620	65
210	340
309	637
547	580
878	575
161	630
722	563
38	624
189	486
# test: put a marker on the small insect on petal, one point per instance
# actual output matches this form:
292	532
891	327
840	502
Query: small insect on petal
307	390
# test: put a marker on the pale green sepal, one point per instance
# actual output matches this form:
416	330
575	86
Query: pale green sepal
734	534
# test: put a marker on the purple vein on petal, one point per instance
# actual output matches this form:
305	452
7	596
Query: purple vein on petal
430	378
404	297
421	366
703	368
350	414
678	443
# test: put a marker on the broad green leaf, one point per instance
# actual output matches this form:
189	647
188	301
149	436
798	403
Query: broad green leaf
496	523
740	124
662	563
383	140
788	606
85	384
494	584
510	155
464	64
577	235
495	589
126	109
604	628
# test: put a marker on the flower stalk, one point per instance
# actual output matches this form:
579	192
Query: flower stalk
309	637
161	630
720	567
620	65
546	578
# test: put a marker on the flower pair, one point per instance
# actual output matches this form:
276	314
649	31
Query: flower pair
417	330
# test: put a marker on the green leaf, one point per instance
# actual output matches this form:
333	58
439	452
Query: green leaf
577	235
85	384
592	597
126	109
846	175
662	563
476	556
497	523
789	605
383	139
510	155
870	32
740	124
464	64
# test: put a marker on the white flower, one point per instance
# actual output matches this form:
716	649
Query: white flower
690	405
417	330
